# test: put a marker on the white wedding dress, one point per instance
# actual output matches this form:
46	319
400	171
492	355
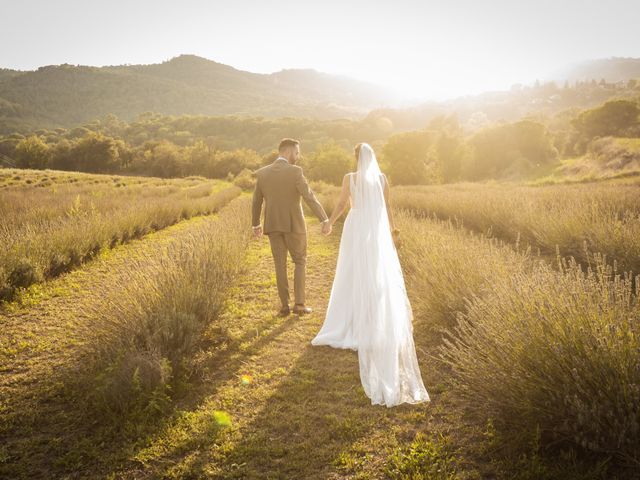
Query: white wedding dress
368	309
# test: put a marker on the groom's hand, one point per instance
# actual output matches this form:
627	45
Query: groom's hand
326	228
257	231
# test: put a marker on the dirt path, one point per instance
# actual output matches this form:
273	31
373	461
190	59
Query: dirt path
300	413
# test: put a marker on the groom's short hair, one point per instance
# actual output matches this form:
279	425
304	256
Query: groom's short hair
286	143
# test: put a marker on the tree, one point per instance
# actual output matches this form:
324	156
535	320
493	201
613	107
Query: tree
62	157
533	142
612	118
96	153
409	158
164	159
8	146
450	152
200	157
234	162
511	148
329	163
449	147
32	152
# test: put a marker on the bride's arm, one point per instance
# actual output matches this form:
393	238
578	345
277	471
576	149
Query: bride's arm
343	200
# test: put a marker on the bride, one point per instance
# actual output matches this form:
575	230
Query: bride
368	309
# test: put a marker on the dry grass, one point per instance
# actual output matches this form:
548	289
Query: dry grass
554	353
548	355
541	349
184	371
103	369
49	231
576	219
141	339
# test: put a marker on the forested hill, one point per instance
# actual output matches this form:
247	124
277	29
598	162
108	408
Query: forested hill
65	95
68	96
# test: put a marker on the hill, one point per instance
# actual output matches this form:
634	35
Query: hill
65	95
187	85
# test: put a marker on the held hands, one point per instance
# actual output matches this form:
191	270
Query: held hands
326	228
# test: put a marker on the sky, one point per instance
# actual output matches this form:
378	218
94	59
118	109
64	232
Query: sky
427	50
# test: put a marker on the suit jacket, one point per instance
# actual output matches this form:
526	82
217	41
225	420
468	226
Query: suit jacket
281	185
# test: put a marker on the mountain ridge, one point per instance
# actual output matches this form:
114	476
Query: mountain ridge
67	95
187	84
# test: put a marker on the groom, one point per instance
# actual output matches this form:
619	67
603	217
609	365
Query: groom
281	185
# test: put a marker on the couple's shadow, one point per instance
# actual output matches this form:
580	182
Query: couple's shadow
306	425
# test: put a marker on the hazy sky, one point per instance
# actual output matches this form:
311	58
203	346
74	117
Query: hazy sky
424	49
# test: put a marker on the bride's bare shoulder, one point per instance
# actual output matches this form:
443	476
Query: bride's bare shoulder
347	179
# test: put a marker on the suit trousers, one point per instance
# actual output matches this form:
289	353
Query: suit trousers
296	245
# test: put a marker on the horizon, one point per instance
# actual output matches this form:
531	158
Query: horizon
420	51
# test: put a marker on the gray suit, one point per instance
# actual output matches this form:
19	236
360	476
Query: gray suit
281	186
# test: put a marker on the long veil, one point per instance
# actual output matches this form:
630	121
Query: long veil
374	239
382	313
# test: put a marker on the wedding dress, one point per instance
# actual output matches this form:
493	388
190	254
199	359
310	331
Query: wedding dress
368	309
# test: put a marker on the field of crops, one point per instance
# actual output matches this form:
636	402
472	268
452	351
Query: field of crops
139	336
573	219
52	222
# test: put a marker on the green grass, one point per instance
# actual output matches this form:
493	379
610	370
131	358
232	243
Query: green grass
423	459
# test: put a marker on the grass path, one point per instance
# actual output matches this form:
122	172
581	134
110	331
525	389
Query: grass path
303	412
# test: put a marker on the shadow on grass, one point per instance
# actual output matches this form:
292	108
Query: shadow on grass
45	432
306	428
318	411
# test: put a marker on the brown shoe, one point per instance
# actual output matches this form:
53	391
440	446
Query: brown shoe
301	309
284	311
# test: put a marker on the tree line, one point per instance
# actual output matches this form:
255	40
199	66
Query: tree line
223	147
